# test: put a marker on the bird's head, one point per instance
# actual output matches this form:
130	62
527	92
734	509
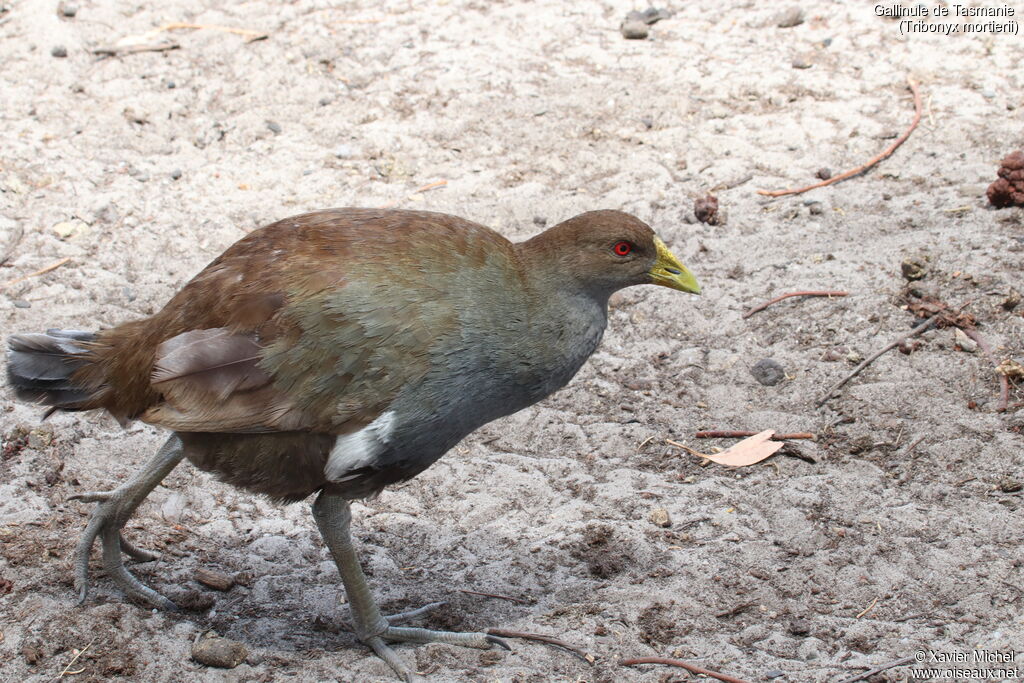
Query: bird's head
604	251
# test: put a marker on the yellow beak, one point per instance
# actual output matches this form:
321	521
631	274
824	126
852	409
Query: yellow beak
669	272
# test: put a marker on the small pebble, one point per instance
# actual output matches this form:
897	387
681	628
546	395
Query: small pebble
68	9
324	101
799	627
816	209
773	674
706	209
802	62
540	221
824	173
216	580
1011	300
274	127
794	16
659	517
344	151
965	343
647	121
886	196
171	85
21	303
767	372
175	174
633	29
913	269
1010	486
219	652
59	51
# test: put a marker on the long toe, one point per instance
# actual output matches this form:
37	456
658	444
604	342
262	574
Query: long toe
404	634
404	617
135	552
105	522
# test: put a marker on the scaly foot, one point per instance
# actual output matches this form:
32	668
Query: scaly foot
113	508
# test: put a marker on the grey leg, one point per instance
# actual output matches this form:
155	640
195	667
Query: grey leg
333	517
114	509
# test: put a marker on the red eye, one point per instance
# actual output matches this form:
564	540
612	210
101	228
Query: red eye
622	248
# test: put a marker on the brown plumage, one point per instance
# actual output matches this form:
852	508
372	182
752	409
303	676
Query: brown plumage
342	351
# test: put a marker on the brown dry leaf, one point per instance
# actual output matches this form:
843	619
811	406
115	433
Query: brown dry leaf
749	451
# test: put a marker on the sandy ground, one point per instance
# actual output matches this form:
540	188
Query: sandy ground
903	534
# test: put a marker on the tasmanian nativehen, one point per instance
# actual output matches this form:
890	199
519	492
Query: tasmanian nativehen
338	352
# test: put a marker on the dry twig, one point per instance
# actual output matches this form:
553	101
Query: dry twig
250	35
114	50
923	327
874	160
550	640
911	447
867	610
424	188
495	595
12	242
733	434
74	659
766	304
693	668
879	669
1004	382
41	271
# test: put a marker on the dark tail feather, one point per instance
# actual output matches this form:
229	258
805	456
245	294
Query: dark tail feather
40	367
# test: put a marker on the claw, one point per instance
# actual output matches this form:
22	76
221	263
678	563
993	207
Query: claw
92	496
111	512
499	642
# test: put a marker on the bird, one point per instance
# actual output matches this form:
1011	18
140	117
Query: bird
336	353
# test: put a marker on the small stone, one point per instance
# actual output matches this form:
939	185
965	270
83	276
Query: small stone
274	127
633	29
171	85
824	173
40	437
816	209
324	101
964	342
706	209
913	269
834	355
1011	300
886	196
659	517
1010	486
32	651
68	9
799	627
344	151
59	51
540	221
802	62
794	16
647	121
21	303
767	372
773	674
216	580
175	174
219	652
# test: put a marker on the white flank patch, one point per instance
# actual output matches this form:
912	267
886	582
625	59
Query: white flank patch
361	448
